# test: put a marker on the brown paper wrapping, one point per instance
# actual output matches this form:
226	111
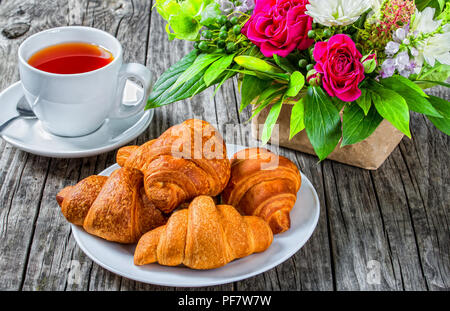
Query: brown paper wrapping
369	153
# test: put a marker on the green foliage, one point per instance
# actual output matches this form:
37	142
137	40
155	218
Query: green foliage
251	88
437	4
184	17
322	121
165	93
267	97
297	118
272	118
358	125
208	15
256	64
443	107
283	63
296	83
391	106
217	68
201	62
365	101
411	93
430	77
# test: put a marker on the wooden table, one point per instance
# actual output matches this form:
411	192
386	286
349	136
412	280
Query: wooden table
394	221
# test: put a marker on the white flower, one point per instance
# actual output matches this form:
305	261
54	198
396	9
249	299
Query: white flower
337	12
423	22
435	48
376	4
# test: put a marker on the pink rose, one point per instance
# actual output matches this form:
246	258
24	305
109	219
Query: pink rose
279	26
339	62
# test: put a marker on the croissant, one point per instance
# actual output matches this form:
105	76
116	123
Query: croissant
186	161
114	208
203	236
263	184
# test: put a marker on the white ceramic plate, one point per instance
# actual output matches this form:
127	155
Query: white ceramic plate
29	135
118	258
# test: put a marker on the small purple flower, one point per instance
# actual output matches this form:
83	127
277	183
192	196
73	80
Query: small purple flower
399	35
391	48
404	65
387	68
402	59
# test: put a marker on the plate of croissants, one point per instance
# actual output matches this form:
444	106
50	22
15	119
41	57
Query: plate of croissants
188	210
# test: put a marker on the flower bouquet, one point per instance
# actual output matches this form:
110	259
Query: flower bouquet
342	66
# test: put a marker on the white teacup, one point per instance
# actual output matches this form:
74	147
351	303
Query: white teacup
78	104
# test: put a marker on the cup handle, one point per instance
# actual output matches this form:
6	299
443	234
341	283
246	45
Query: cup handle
144	76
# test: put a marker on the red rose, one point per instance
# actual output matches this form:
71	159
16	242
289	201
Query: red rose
279	26
339	62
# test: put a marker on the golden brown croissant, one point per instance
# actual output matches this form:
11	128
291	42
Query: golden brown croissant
263	184
204	236
186	161
114	208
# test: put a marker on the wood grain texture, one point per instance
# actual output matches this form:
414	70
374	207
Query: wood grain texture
396	217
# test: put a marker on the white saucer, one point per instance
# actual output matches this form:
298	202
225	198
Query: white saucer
29	135
118	258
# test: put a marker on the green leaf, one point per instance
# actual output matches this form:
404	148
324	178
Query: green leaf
201	62
217	68
356	125
438	73
433	82
412	93
166	80
208	15
256	64
401	82
272	118
251	88
227	76
281	77
297	114
296	83
365	101
184	26
339	104
322	121
443	107
183	17
262	103
283	63
163	93
437	4
391	106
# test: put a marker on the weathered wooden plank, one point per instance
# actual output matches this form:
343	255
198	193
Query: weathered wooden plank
392	189
24	174
314	274
20	193
55	260
427	187
356	229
